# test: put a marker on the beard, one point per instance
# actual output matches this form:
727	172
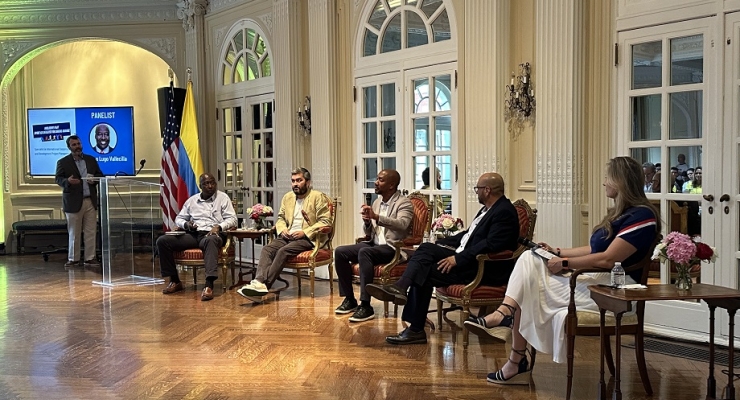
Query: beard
300	190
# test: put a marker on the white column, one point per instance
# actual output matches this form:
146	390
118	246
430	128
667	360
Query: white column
486	27
322	33
192	12
598	102
559	127
288	70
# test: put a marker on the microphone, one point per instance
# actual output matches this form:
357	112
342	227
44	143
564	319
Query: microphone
141	166
527	243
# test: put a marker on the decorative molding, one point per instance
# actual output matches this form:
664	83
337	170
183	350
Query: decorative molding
218	5
12	49
165	47
188	9
267	20
219	37
4	99
66	17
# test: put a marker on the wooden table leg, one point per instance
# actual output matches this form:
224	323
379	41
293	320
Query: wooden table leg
711	383
731	376
617	364
602	336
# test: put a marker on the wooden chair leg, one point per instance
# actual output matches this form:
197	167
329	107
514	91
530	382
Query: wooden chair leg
395	310
440	305
311	277
608	355
571	345
298	275
463	317
331	278
385	309
641	366
195	276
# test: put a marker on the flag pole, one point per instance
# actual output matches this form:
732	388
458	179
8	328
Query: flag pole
171	74
190	73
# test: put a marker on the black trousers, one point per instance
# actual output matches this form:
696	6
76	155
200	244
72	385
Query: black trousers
422	270
368	255
168	245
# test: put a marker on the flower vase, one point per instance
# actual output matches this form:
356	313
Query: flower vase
683	280
259	223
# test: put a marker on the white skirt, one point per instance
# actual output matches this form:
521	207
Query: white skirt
544	297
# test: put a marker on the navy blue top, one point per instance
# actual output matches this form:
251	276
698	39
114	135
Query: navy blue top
637	227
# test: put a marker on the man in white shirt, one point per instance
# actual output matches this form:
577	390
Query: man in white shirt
385	223
303	213
648	169
204	217
452	260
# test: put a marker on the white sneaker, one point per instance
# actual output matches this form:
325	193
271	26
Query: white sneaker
255	288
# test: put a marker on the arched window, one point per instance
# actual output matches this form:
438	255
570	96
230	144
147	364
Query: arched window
247	58
401	24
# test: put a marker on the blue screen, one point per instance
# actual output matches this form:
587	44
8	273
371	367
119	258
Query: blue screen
106	133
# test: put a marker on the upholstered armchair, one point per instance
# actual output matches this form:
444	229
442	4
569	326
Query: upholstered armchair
420	223
193	259
476	295
319	256
588	323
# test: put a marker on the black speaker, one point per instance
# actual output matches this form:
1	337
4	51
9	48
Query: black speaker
162	101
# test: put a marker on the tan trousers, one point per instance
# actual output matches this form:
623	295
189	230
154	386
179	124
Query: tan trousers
84	221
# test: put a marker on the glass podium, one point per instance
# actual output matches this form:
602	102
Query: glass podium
130	222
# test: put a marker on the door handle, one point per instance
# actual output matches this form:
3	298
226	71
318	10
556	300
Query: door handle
708	197
725	197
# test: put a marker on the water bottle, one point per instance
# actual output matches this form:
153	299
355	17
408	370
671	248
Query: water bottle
618	275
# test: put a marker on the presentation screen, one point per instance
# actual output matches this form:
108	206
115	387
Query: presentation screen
106	133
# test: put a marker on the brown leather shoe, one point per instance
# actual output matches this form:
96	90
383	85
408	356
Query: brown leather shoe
207	294
172	287
71	264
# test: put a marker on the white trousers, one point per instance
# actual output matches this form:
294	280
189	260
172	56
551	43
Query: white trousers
544	297
84	221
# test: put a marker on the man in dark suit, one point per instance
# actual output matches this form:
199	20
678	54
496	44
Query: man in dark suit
80	200
453	260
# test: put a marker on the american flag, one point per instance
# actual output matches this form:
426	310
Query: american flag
169	177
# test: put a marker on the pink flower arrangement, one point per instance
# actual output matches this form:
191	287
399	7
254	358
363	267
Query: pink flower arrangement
682	250
258	210
446	223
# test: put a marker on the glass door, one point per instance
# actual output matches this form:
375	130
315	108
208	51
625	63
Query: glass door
380	145
430	97
259	165
231	151
727	196
667	121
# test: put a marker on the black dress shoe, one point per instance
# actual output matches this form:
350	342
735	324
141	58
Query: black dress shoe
387	293
407	336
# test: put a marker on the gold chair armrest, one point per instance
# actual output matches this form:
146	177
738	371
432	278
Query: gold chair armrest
385	271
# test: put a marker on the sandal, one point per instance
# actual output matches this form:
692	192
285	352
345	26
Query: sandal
522	377
502	331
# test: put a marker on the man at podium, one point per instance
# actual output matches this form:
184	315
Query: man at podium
202	221
79	200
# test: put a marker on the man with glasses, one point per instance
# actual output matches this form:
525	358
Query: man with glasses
452	260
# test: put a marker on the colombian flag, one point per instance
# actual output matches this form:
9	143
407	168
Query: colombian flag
190	163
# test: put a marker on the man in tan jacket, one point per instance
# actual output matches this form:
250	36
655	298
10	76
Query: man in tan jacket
303	212
385	223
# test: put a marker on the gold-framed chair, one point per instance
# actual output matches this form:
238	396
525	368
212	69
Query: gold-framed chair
581	323
476	295
192	259
319	256
421	223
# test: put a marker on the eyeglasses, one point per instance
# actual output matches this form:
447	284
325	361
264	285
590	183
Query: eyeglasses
476	189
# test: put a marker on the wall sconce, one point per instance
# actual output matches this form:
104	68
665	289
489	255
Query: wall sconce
304	116
520	102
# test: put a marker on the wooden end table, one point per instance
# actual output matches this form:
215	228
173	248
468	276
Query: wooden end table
620	301
239	235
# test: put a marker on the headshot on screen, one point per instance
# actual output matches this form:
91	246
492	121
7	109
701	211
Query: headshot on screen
103	138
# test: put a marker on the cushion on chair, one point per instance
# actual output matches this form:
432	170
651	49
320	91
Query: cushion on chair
197	254
481	292
397	271
588	318
40	225
303	257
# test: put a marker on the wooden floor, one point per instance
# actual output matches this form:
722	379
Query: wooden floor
63	338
